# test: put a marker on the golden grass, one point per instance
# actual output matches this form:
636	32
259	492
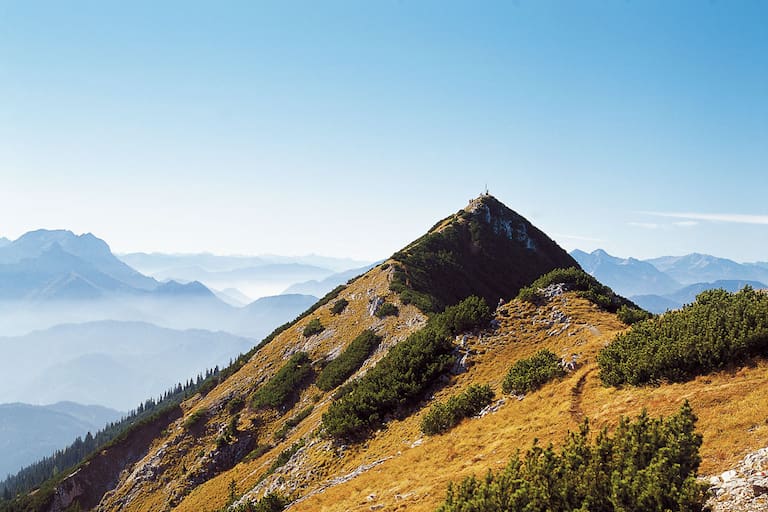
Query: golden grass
732	407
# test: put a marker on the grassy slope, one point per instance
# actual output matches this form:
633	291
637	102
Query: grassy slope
182	451
729	406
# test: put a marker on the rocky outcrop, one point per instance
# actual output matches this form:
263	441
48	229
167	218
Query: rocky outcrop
743	489
86	486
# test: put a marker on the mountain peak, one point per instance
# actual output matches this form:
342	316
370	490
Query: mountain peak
192	289
62	247
484	249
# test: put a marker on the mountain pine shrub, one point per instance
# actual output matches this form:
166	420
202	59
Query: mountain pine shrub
272	502
404	374
195	418
313	327
283	388
646	465
717	330
530	374
339	306
353	357
387	309
443	416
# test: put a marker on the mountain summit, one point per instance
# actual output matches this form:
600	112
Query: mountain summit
93	254
485	249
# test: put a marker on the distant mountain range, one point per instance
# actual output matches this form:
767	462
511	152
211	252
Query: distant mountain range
78	324
53	277
668	282
116	364
256	276
30	432
323	286
696	268
626	276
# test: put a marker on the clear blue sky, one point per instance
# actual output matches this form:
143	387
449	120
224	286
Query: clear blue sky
348	128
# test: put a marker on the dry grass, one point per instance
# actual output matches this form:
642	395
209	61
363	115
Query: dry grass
732	407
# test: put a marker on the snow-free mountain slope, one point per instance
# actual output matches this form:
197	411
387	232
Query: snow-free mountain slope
702	268
485	249
117	364
323	286
30	432
628	276
224	443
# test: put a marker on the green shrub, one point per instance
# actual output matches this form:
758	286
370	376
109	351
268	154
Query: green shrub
646	465
339	306
284	387
717	330
235	404
257	452
272	502
195	418
445	415
575	279
471	313
292	422
403	375
348	362
313	327
231	430
530	374
387	309
530	294
631	316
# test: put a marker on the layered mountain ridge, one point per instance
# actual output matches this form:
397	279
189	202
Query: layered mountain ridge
27	436
49	277
260	429
669	282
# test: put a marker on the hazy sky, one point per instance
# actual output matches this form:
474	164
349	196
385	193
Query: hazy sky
349	128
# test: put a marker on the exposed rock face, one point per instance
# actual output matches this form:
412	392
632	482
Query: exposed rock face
744	489
223	458
87	485
374	305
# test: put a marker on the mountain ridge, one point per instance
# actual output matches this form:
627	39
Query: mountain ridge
494	226
468	253
259	428
647	282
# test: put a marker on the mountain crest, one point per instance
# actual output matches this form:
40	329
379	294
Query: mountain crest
485	249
